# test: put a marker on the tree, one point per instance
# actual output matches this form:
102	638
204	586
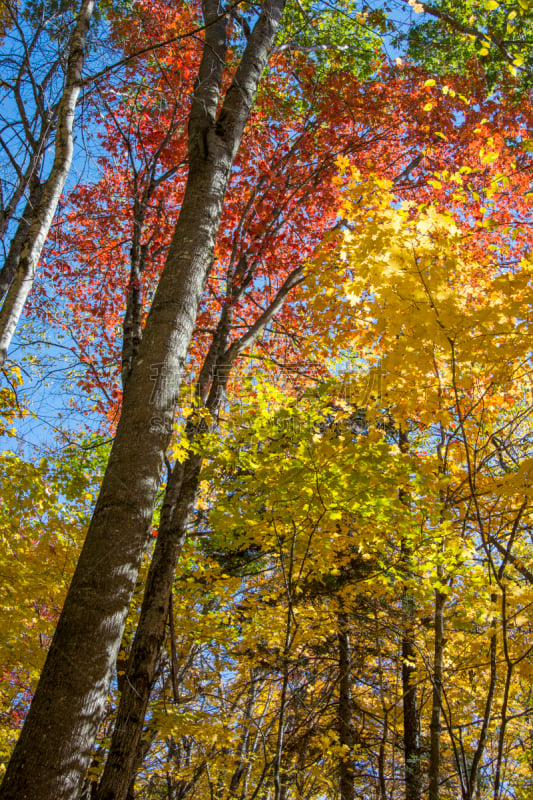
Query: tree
18	273
410	319
68	703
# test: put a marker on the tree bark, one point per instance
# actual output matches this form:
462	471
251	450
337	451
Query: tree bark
118	770
31	173
410	704
53	187
436	709
410	720
243	748
9	268
345	720
177	505
132	326
52	753
473	775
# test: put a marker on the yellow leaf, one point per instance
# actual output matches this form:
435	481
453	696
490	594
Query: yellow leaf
428	107
430	82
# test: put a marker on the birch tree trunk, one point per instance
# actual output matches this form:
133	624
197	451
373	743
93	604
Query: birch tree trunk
53	187
54	748
9	268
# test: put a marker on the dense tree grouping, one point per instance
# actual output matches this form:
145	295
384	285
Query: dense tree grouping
266	405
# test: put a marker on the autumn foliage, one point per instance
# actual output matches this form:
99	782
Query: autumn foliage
350	466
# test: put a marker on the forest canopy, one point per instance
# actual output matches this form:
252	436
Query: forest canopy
266	400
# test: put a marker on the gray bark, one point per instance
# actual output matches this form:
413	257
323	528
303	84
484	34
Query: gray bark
133	316
436	707
410	713
345	720
31	173
51	756
291	626
177	505
8	271
150	632
411	741
44	213
499	779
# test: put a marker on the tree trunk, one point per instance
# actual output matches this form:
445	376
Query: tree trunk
11	263
472	777
52	753
53	187
31	173
410	720
132	326
291	626
178	502
177	505
150	632
435	726
410	710
345	721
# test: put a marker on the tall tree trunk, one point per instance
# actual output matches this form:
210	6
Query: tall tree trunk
410	708
381	761
55	744
436	706
473	775
177	505
11	263
410	715
150	632
178	502
291	626
31	173
132	326
345	717
53	187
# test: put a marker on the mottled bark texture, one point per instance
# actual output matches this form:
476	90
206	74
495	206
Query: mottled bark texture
54	748
177	505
